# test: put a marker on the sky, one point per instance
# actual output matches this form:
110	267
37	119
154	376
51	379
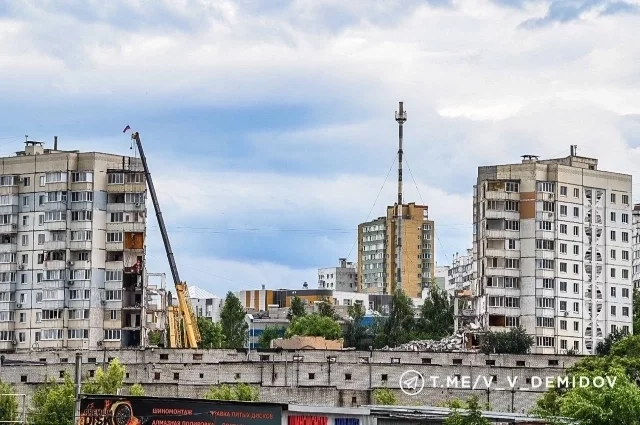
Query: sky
269	125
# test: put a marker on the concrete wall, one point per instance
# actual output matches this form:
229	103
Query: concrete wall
331	378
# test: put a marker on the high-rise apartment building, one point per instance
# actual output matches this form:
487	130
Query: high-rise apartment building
553	243
636	247
461	273
342	278
377	256
72	250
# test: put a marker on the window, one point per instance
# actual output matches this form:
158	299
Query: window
613	291
563	325
576	231
41	239
84	196
512	206
82	274
512	321
576	307
78	314
113	275
25	240
512	187
563	248
57	177
496	302
49	334
546	187
41	199
512	225
81	215
563	306
613	216
511	282
625	330
550	207
612	254
545	302
113	295
548	284
113	315
576	288
7	316
116	217
347	377
511	244
576	212
613	272
545	341
576	269
7	277
613	198
625	218
625	311
544	322
625	292
57	196
563	190
78	333
8	180
613	310
82	177
625	199
81	235
625	255
563	229
113	335
625	273
25	201
26	181
511	263
512	302
115	178
42	180
563	210
40	219
576	193
576	250
563	267
114	237
563	286
50	216
625	237
544	264
576	326
545	244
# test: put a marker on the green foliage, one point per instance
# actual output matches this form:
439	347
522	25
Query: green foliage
515	341
296	309
399	327
232	319
604	347
315	325
454	403
636	311
108	382
155	338
53	403
237	392
472	415
8	403
136	390
436	315
355	333
326	309
211	333
269	334
603	405
384	397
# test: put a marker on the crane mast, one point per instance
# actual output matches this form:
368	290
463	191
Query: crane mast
182	321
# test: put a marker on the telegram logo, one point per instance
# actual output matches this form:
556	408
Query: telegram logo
411	382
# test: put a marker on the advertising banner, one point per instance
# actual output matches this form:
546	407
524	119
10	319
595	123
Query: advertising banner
121	410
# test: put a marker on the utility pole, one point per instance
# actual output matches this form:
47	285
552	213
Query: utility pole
401	118
78	382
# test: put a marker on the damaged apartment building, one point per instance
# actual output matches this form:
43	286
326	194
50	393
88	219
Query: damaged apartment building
72	252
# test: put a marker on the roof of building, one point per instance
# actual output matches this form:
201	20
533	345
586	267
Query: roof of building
433	413
199	293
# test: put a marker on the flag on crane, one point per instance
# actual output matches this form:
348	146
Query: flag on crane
126	128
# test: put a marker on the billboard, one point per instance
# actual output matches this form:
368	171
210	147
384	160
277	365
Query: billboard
121	410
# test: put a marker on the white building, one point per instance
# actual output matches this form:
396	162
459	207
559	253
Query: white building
72	239
462	272
553	238
342	278
636	246
205	304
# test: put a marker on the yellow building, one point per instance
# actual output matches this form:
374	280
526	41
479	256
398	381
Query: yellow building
377	252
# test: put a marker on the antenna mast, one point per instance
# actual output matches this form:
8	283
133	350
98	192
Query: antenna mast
401	118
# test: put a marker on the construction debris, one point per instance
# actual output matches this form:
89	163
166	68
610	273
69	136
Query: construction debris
453	343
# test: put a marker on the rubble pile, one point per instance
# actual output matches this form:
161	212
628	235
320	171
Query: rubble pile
451	343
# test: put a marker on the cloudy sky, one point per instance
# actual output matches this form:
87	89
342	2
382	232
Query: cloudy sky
269	124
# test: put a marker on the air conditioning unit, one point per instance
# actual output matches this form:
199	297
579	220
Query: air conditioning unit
103	302
566	313
18	305
20	179
21	266
137	204
14	225
99	343
70	283
70	263
14	342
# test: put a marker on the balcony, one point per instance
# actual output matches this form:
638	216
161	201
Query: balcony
80	245
134	226
502	196
114	246
55	264
55	245
501	234
7	287
9	190
55	206
126	207
81	225
9	228
9	247
545	196
7	326
114	265
495	252
53	284
55	225
545	254
545	273
497	271
501	214
53	304
9	209
545	215
81	206
8	267
80	265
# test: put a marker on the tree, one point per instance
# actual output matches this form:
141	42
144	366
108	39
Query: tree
296	309
236	392
636	311
8	403
269	334
155	338
232	320
515	341
326	309
436	315
399	327
108	382
384	397
53	403
355	333
315	325
471	416
604	347
211	333
136	390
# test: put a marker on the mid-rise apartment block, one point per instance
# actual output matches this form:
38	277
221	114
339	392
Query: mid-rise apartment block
377	254
342	278
72	250
462	273
636	247
553	241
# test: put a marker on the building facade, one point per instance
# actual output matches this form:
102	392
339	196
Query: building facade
342	278
553	249
205	304
462	273
71	250
636	246
377	252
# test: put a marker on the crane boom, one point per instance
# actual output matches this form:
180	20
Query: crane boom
192	334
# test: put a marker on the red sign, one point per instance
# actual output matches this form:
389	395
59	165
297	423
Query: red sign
307	420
